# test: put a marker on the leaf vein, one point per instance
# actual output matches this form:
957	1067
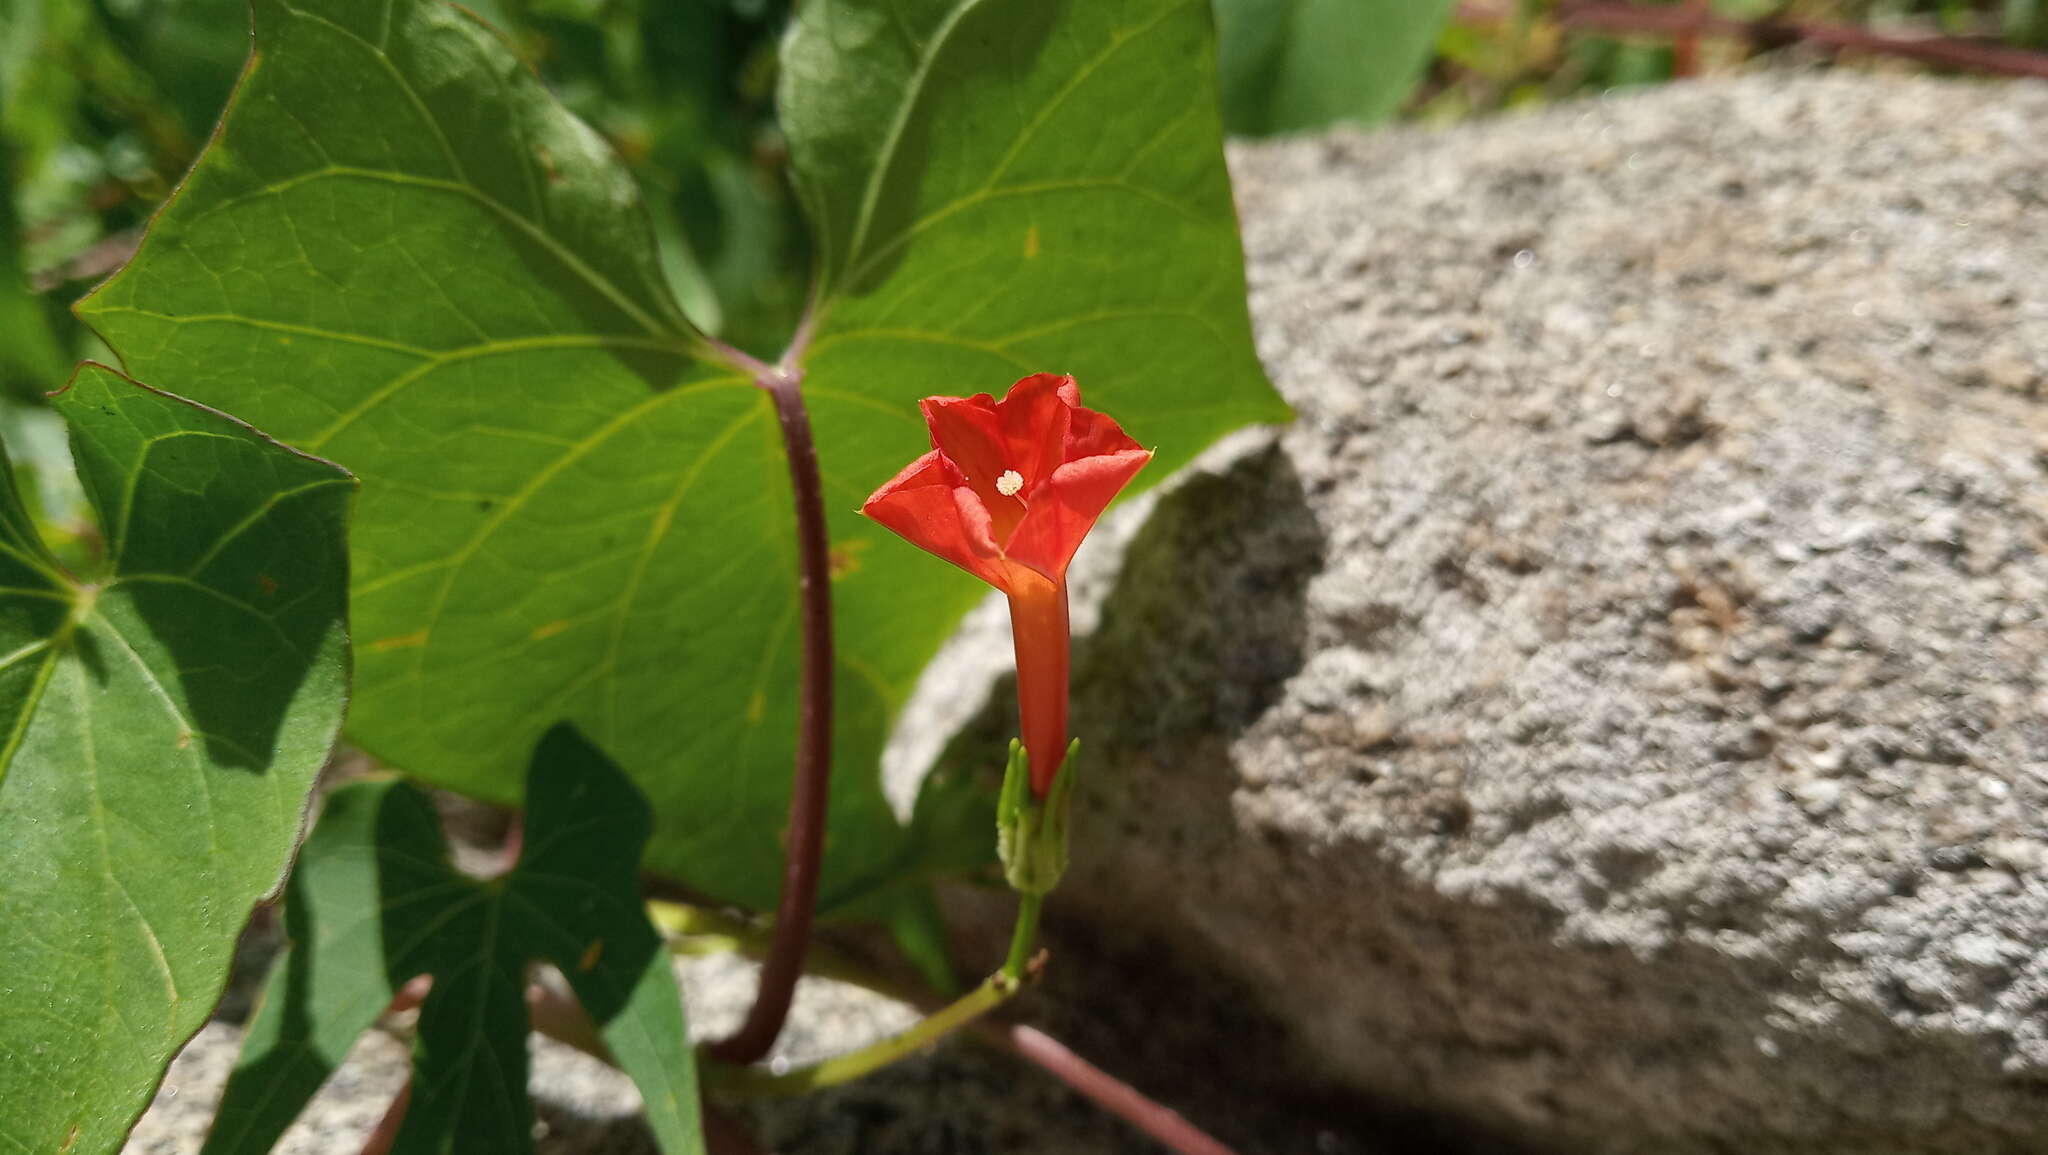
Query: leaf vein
541	479
1048	107
486	349
657	530
28	709
983	197
885	159
405	86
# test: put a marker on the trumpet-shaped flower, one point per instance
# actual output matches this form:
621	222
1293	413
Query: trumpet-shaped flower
1007	492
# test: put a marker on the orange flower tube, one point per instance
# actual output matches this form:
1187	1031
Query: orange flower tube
1007	492
1038	630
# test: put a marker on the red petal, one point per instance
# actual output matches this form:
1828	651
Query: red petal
1064	509
923	504
927	470
1034	417
1091	434
1072	462
978	530
969	432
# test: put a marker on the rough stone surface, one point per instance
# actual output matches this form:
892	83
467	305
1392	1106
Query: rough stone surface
958	1101
955	1099
1615	715
958	1098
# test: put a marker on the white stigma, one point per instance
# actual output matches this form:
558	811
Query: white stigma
1009	483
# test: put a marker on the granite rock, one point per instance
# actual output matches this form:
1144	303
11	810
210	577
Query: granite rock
1614	716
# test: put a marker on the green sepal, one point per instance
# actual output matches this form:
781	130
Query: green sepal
1010	803
1031	833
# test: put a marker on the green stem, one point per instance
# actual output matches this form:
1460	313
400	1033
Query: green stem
755	1083
740	1082
1025	937
1108	1092
695	930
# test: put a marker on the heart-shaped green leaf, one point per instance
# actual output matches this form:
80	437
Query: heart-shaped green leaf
374	903
1001	188
402	253
163	724
1006	188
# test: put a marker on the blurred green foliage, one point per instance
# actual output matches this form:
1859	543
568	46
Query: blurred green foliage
1291	65
685	90
1302	64
104	103
1503	53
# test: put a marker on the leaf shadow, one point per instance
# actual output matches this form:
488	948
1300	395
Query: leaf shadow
229	570
87	648
639	349
238	708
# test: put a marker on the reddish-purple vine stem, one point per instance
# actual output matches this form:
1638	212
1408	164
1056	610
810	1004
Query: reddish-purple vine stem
1034	1046
738	358
724	1135
385	1133
1107	1091
810	790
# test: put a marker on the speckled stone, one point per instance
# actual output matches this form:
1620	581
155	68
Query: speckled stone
1614	716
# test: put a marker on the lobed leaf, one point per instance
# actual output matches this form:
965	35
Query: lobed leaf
160	729
402	253
374	902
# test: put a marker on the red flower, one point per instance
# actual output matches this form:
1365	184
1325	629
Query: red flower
1007	493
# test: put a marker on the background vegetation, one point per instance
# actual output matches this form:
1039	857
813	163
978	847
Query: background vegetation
104	103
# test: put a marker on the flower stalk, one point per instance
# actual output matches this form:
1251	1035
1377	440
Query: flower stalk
739	1083
1024	939
691	929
